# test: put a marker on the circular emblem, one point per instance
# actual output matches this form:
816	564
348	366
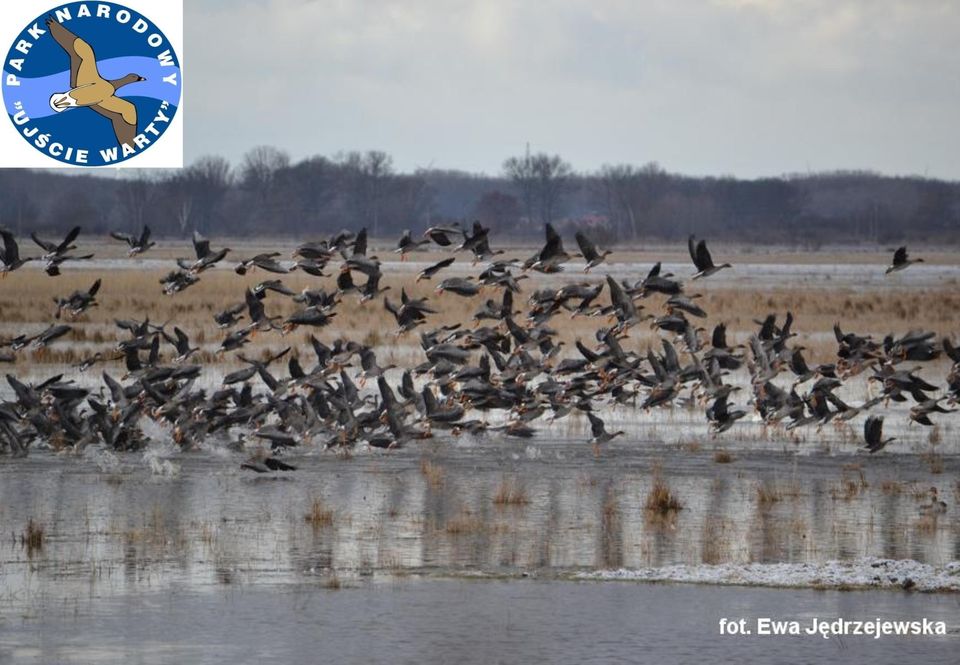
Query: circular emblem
91	83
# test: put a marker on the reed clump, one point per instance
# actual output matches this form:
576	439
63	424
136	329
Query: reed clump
661	501
722	457
319	516
891	487
464	523
332	583
510	493
433	472
768	494
934	461
33	537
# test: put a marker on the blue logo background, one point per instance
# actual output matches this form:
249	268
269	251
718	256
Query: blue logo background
119	51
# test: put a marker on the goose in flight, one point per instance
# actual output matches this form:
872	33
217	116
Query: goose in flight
10	256
873	434
261	462
138	244
702	259
89	89
600	434
901	261
591	256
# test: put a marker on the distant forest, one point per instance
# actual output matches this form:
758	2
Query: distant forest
268	194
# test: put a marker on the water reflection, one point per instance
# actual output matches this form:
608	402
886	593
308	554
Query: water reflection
455	510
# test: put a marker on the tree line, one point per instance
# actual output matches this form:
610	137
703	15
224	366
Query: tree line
269	194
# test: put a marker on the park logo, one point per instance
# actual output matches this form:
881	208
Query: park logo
92	84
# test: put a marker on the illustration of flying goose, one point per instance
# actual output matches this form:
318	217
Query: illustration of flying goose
89	89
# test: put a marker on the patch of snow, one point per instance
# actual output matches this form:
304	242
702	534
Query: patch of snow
858	573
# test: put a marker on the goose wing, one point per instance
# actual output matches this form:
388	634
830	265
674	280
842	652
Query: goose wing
798	364
360	242
439	265
71	236
11	252
621	302
67	41
553	246
900	256
123	114
125	237
587	248
200	245
596	425
276	465
703	256
46	245
873	430
692	246
254	306
951	351
720	336
183	342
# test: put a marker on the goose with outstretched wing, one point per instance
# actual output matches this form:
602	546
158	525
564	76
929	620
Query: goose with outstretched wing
89	89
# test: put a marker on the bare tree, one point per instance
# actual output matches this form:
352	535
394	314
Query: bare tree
200	190
365	176
521	173
629	193
259	169
136	194
541	181
552	180
498	210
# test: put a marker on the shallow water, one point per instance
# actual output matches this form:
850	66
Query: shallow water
443	621
117	525
760	274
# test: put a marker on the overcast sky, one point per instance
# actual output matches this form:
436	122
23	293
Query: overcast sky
721	87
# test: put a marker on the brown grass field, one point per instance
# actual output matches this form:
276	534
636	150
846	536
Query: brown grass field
27	306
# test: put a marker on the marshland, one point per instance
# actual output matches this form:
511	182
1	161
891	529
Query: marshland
489	332
162	502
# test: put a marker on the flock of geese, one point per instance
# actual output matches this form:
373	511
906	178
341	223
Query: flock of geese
510	362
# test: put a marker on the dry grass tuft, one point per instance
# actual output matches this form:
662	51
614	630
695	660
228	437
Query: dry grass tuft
845	490
891	487
722	457
768	494
32	537
690	446
332	583
935	461
510	493
716	540
319	516
464	523
927	524
851	483
661	501
434	473
611	511
918	492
